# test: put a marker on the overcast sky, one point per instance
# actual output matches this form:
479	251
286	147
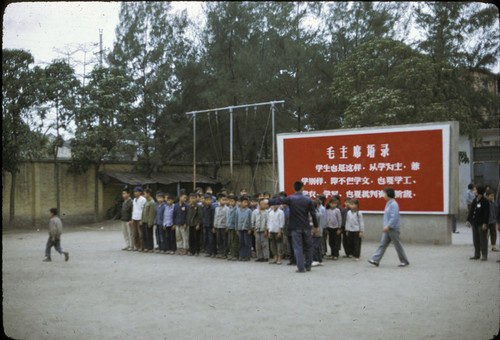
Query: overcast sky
44	27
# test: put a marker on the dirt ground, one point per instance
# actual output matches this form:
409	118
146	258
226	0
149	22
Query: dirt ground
106	293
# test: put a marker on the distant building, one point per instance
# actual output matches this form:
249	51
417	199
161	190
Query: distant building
63	152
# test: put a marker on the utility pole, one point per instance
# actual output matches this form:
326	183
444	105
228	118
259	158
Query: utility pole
100	46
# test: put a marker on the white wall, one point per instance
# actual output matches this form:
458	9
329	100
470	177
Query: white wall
464	175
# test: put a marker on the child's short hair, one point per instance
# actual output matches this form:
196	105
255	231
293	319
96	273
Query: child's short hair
160	194
233	197
355	201
126	189
244	198
147	191
390	192
282	194
489	192
317	203
193	194
207	196
333	199
322	198
53	211
480	189
470	186
221	195
266	193
255	197
169	197
243	189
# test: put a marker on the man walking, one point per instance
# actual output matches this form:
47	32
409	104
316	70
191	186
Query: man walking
301	207
392	227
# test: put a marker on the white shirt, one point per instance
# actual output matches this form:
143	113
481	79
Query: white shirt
275	220
137	207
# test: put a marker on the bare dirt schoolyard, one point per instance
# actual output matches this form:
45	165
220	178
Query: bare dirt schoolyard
106	293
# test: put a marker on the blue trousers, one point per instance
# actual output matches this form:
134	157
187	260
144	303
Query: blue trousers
245	244
387	237
209	240
302	247
317	249
56	244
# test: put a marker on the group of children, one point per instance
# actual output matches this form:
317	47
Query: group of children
230	226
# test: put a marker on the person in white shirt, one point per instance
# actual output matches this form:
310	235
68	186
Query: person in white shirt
137	208
275	224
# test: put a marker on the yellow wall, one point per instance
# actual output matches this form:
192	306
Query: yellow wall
35	189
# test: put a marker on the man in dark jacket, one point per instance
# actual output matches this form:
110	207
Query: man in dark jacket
301	207
478	221
126	218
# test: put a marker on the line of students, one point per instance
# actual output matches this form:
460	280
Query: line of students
229	227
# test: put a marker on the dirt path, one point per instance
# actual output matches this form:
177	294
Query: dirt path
105	293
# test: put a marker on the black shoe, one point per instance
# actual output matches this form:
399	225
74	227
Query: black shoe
402	264
300	271
484	259
290	264
308	269
473	258
373	262
66	256
47	259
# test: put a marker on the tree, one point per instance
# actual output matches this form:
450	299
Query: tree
20	93
385	82
149	42
464	34
98	133
60	95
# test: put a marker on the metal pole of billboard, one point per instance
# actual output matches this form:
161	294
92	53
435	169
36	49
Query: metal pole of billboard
194	150
231	141
273	148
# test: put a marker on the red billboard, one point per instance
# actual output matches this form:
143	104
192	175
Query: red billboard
361	163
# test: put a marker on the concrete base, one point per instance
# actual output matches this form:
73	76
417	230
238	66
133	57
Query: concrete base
429	229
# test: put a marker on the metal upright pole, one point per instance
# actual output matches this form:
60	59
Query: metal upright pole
231	140
273	146
194	150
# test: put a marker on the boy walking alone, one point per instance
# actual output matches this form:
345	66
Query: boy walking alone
55	231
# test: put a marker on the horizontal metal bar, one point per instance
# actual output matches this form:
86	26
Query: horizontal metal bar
235	107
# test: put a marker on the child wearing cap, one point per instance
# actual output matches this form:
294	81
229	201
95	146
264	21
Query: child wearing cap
137	208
